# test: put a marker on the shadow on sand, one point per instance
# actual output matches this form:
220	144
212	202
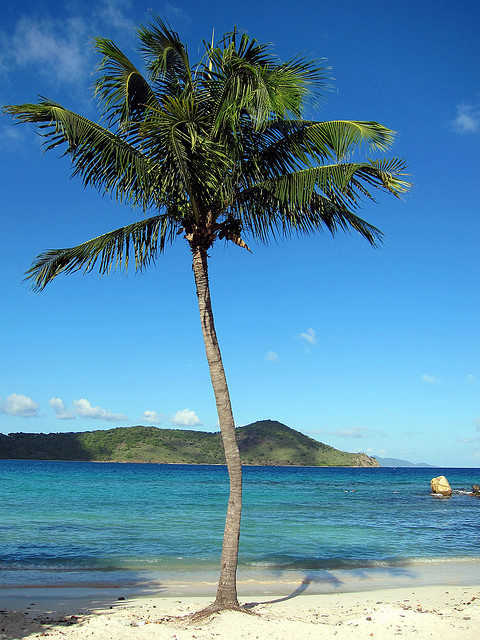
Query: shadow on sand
34	612
334	584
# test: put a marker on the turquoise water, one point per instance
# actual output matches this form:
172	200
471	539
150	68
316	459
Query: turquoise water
80	523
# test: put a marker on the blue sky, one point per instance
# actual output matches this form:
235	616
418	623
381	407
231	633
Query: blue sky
363	349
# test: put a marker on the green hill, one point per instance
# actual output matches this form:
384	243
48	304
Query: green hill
261	443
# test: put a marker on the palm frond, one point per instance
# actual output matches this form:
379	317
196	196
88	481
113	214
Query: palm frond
311	143
145	240
102	159
123	90
190	161
311	199
345	183
265	217
167	57
390	172
243	77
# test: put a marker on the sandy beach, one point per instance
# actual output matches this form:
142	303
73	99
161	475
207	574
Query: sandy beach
442	611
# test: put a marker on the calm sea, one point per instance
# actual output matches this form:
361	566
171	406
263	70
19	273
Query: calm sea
80	523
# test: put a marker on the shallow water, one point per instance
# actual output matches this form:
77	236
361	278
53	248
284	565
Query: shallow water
80	523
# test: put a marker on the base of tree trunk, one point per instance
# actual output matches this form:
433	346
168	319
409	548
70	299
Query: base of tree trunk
216	607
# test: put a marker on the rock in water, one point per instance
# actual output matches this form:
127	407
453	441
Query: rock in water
441	485
476	489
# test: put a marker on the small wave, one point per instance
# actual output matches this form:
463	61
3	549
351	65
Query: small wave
331	564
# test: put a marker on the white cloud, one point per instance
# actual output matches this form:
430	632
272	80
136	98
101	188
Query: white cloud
271	356
84	409
112	13
468	118
376	452
11	134
354	432
61	411
152	417
185	418
19	405
58	49
175	15
430	379
61	48
309	336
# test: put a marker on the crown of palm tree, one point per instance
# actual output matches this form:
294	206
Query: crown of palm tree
216	150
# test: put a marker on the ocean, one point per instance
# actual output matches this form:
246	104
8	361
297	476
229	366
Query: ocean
85	524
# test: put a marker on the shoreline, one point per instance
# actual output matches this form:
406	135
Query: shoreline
262	581
286	585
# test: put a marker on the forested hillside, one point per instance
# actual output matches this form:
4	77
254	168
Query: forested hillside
261	443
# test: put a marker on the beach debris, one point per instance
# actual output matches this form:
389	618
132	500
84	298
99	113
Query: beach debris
441	486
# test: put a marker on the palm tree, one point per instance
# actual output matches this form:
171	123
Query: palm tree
214	151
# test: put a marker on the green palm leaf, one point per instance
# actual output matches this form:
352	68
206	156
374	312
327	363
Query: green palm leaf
102	159
310	143
167	58
123	90
145	240
343	183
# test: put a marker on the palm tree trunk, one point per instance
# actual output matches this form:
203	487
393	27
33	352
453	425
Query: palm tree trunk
227	585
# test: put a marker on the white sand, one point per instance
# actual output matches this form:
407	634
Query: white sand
446	612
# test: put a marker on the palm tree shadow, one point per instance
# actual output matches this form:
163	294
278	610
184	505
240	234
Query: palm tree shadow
326	578
57	613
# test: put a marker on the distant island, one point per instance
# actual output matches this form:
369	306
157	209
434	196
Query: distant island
265	442
396	462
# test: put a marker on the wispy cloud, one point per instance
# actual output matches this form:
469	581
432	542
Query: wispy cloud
54	48
10	134
429	378
61	411
84	409
376	452
470	440
353	432
471	379
175	15
113	13
271	356
19	405
185	418
152	417
468	118
60	48
309	336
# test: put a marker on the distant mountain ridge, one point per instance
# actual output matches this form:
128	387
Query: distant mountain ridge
265	442
396	462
